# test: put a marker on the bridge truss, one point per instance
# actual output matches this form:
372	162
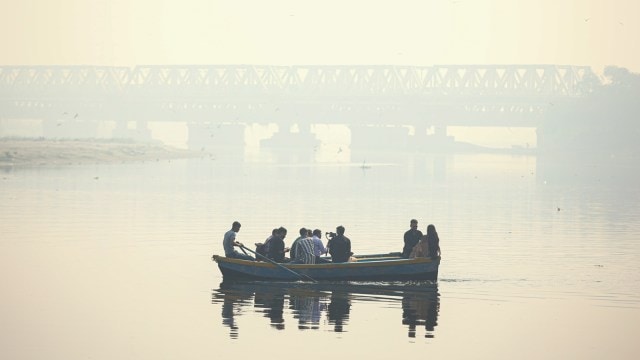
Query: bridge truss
250	93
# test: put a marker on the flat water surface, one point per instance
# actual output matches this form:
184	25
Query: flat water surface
114	261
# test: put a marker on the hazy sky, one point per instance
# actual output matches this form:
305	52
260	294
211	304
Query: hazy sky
297	32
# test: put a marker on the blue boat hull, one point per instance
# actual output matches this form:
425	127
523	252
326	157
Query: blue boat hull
374	268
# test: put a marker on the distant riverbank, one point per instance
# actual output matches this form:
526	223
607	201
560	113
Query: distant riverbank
34	152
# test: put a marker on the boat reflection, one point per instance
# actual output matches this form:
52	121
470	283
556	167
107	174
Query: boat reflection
324	306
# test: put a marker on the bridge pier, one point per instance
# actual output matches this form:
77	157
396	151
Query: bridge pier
379	138
397	138
212	137
434	142
285	138
140	131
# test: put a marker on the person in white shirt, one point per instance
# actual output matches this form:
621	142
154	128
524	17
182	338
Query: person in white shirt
318	247
305	251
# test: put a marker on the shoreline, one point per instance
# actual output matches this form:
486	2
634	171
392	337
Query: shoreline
62	152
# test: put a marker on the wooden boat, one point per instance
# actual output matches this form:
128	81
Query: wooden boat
376	267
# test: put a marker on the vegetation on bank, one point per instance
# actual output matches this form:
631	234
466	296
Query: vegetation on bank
41	151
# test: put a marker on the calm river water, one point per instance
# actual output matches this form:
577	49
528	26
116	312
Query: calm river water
114	261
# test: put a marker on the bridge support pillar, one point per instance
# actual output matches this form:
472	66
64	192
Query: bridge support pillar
285	138
540	140
379	137
211	137
433	142
440	133
135	130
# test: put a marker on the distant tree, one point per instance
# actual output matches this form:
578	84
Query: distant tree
604	124
621	77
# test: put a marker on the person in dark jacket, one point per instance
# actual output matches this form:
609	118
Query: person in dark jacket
277	248
411	238
340	246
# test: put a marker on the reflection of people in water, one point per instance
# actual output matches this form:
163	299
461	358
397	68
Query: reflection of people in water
230	298
307	308
227	317
420	305
273	305
338	310
420	309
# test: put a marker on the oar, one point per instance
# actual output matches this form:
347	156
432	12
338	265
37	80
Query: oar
302	276
242	248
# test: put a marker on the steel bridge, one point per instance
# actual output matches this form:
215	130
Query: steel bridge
418	96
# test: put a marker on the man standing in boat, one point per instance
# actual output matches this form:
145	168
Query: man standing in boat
411	238
340	246
230	241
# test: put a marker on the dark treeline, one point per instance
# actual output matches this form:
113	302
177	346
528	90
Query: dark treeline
603	126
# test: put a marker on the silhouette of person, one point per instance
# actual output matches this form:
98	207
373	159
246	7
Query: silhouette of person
340	246
229	242
411	238
433	241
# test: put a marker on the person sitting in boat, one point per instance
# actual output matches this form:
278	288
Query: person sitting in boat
339	246
263	248
229	242
421	249
411	238
318	246
303	233
277	249
304	252
428	246
433	240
